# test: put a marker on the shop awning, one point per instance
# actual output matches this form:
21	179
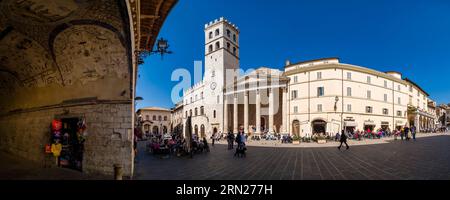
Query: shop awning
369	123
385	123
350	124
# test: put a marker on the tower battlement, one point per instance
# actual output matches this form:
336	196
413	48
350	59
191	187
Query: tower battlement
221	20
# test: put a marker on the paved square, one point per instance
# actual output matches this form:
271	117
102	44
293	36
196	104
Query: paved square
426	158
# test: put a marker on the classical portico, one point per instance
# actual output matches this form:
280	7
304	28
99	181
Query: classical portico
256	103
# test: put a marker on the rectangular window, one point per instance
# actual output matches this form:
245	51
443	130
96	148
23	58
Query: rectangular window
369	94
399	101
399	88
319	107
385	84
368	109
295	109
319	75
349	107
295	79
320	91
410	88
293	94
349	91
368	79
349	76
385	97
399	113
385	111
218	99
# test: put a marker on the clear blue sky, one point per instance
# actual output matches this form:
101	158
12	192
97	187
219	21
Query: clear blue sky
409	36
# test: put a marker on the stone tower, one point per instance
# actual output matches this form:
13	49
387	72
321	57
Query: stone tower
221	66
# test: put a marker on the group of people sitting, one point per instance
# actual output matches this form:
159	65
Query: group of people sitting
159	145
164	146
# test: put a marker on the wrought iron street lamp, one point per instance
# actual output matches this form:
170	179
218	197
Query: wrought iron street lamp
162	46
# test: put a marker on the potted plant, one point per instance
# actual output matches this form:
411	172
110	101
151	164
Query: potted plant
306	139
296	139
321	139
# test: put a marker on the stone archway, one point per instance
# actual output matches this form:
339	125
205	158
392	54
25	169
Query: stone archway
196	130
155	130
319	126
296	127
147	128
202	131
61	59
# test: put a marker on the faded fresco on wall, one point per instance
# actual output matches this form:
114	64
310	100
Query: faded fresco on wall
65	44
88	52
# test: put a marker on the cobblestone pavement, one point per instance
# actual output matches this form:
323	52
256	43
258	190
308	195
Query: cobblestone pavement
424	159
13	168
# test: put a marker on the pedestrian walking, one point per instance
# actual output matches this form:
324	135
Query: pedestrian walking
238	141
230	140
406	133
413	132
343	140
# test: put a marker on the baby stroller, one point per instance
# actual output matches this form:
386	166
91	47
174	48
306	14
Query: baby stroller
240	150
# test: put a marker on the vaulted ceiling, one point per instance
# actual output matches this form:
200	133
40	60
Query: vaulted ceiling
54	50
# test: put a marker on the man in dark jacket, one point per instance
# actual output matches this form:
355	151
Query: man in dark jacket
406	133
343	140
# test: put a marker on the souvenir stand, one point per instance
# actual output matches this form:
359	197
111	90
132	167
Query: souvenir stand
67	142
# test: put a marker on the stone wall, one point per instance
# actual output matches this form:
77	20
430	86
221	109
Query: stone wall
108	140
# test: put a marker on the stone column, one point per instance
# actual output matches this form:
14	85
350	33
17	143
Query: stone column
284	115
258	112
271	111
416	122
225	114
246	112
235	114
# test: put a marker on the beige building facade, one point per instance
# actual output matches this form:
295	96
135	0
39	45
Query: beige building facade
155	120
317	96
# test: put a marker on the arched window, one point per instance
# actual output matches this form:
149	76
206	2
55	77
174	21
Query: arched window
217	45
228	46
234	37
190	112
196	113
165	118
202	110
159	118
210	35
210	48
214	114
234	50
202	131
186	114
228	33
147	117
154	117
217	32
